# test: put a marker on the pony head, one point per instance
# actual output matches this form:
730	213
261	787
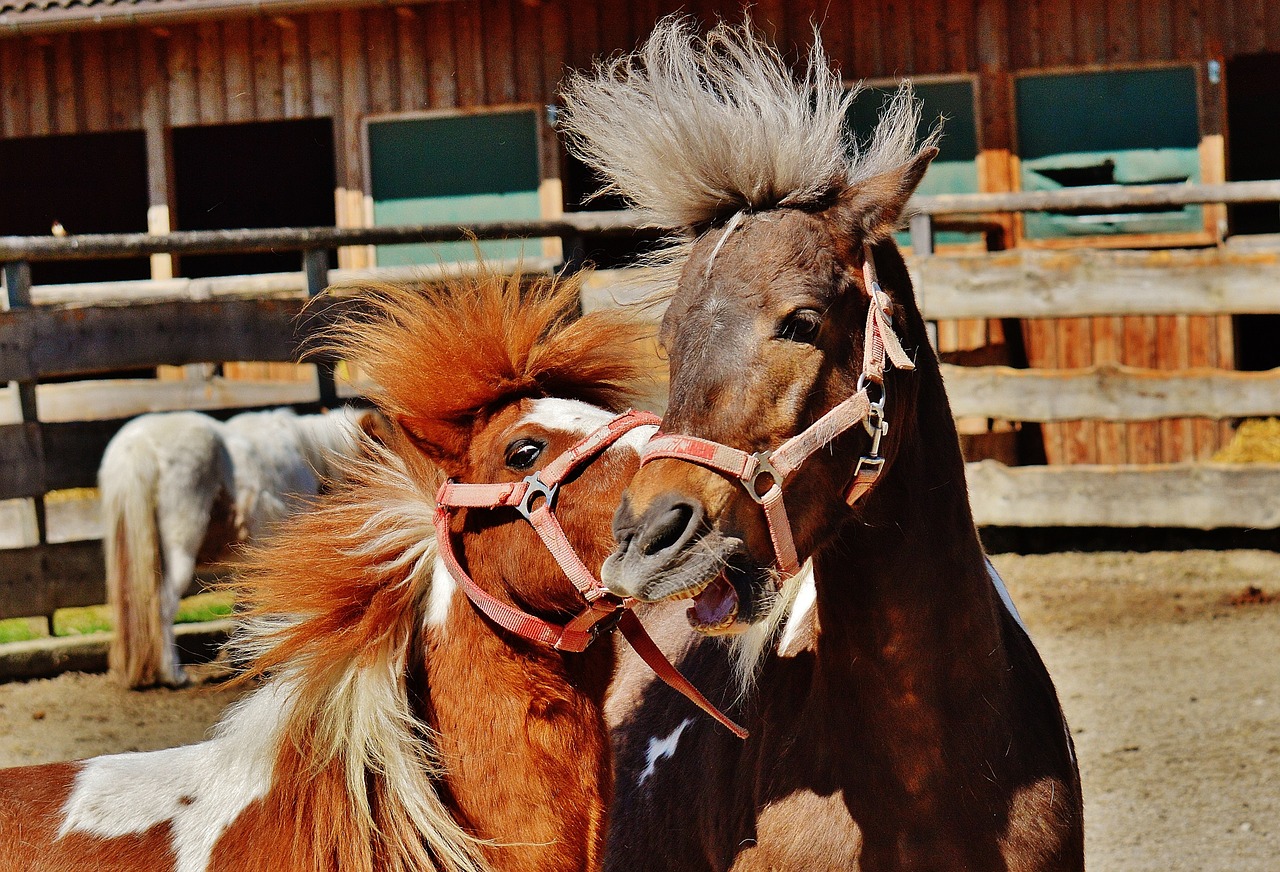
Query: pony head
780	206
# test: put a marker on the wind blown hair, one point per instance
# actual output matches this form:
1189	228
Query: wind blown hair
694	129
335	606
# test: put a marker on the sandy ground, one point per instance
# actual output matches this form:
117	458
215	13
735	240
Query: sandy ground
1172	692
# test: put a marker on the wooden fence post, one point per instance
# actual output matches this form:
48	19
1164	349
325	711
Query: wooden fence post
315	264
922	247
17	286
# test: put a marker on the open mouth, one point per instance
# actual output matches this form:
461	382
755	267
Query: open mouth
724	605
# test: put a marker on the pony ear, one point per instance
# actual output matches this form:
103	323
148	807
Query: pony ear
443	442
875	205
374	425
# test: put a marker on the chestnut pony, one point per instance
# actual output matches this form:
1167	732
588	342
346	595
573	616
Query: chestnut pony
396	728
900	717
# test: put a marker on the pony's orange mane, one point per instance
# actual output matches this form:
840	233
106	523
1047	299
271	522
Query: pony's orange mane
333	604
455	351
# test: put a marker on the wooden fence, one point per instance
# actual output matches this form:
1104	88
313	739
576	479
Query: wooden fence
70	331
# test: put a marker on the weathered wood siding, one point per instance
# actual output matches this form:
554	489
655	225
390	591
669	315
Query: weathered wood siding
465	54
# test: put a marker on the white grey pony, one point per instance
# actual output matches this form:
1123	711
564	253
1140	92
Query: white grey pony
182	488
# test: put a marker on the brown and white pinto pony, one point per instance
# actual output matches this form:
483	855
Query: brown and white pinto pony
396	728
899	715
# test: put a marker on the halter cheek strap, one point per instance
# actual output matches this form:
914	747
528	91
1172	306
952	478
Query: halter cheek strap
770	470
534	498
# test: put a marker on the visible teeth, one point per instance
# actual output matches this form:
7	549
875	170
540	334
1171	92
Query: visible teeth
718	627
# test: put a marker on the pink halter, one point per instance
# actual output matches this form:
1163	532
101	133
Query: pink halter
776	466
534	498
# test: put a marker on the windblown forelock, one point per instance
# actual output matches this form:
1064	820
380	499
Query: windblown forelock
455	350
693	129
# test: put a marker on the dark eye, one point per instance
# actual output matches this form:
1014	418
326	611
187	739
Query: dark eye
802	325
523	453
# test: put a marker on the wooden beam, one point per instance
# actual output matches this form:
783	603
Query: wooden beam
1110	392
1087	282
42	342
44	658
104	399
40	580
1114	198
1185	495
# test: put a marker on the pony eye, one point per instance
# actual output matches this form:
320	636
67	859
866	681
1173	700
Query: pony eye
523	453
802	325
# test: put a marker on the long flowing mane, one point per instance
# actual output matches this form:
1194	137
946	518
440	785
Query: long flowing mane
694	129
334	607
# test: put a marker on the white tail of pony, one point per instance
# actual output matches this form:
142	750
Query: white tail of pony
127	487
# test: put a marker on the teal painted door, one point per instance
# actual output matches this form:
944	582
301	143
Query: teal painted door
454	169
955	169
1126	127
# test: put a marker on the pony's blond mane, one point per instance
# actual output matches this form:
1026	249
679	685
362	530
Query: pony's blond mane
334	616
694	129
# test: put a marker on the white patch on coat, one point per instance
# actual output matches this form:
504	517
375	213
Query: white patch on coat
1005	598
199	790
440	597
660	749
575	416
800	614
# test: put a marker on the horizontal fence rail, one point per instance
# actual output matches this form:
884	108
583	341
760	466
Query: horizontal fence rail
52	435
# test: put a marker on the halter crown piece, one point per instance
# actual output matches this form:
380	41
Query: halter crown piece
773	468
534	498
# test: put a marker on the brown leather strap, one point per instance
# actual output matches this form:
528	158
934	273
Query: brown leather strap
650	653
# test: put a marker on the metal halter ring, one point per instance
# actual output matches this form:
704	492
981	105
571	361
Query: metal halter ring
763	467
536	487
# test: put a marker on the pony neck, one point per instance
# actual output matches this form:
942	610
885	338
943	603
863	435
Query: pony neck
523	741
909	573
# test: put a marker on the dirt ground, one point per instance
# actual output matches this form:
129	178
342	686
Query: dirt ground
1171	689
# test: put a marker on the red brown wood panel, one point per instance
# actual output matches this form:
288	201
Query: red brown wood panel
443	86
1139	350
95	83
13	88
38	68
210	75
1155	40
1075	351
469	41
1041	339
379	55
930	52
1176	441
961	35
1107	338
184	103
771	17
66	75
322	57
533	48
1272	24
354	90
411	57
237	66
1089	30
613	25
1057	33
1024	31
126	90
296	83
1188	33
1122	31
1201	350
584	34
268	68
499	51
897	37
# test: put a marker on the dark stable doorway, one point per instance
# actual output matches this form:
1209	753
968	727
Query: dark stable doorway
1253	152
87	183
261	174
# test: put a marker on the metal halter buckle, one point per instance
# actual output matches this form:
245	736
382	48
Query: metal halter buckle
536	487
763	467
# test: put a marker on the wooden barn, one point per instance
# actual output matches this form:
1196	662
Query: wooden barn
131	115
